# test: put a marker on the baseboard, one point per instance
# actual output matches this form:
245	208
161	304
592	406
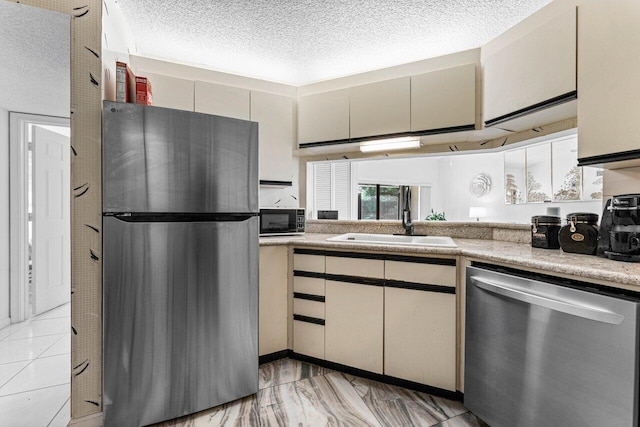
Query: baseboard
447	394
5	322
93	420
271	357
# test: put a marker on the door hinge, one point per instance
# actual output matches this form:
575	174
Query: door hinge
30	216
30	146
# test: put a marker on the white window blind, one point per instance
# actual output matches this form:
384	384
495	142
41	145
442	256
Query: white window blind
332	188
342	189
322	186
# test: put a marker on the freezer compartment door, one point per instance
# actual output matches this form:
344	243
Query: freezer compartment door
180	317
163	160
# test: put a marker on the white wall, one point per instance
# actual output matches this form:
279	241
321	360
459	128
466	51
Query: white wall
283	197
456	173
117	43
4	217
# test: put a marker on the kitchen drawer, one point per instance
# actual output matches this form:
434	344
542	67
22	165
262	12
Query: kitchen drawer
433	274
313	263
309	308
308	285
308	339
355	267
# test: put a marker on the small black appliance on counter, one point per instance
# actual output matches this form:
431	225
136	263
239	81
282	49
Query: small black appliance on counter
580	234
327	214
281	222
544	231
620	228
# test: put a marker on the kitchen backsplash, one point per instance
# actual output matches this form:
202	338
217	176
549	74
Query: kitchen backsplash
516	233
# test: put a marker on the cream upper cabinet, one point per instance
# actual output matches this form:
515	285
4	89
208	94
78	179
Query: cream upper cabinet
276	134
273	299
222	100
608	80
323	117
444	99
380	108
171	92
535	71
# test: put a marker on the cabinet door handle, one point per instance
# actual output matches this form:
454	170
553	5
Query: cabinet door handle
547	301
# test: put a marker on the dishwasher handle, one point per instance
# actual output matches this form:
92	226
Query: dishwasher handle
572	308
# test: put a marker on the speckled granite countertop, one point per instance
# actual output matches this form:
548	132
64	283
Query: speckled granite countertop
522	255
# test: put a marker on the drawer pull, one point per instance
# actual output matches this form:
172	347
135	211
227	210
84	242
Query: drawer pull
308	319
309	297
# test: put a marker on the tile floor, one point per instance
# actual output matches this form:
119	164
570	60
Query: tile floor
35	375
35	371
294	393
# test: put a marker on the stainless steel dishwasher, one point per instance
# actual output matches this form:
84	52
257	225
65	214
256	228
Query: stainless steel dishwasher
541	351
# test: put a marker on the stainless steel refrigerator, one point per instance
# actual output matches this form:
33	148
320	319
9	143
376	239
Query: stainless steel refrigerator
180	262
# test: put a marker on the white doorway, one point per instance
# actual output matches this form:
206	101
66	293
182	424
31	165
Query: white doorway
35	351
40	214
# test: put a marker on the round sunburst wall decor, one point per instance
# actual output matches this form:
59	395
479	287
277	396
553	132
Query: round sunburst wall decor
480	185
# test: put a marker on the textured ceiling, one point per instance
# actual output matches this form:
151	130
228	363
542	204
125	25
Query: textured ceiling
34	71
300	41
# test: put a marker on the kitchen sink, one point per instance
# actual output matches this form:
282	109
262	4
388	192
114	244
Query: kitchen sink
386	239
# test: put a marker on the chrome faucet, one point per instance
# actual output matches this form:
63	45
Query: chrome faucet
406	211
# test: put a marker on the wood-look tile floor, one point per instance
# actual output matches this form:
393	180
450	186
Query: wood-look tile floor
294	393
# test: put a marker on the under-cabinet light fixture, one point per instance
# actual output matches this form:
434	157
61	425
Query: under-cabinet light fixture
390	144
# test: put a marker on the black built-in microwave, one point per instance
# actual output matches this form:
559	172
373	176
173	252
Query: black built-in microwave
281	221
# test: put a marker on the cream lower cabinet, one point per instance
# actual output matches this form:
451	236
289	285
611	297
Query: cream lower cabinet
420	336
420	320
389	314
354	325
308	321
308	303
308	338
273	299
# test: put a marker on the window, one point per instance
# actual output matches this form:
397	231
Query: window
549	172
332	188
377	201
367	202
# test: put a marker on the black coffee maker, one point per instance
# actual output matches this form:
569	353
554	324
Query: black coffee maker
620	229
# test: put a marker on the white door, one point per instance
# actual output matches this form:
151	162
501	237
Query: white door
51	219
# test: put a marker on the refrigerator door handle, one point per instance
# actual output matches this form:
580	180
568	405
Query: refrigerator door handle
181	217
568	307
